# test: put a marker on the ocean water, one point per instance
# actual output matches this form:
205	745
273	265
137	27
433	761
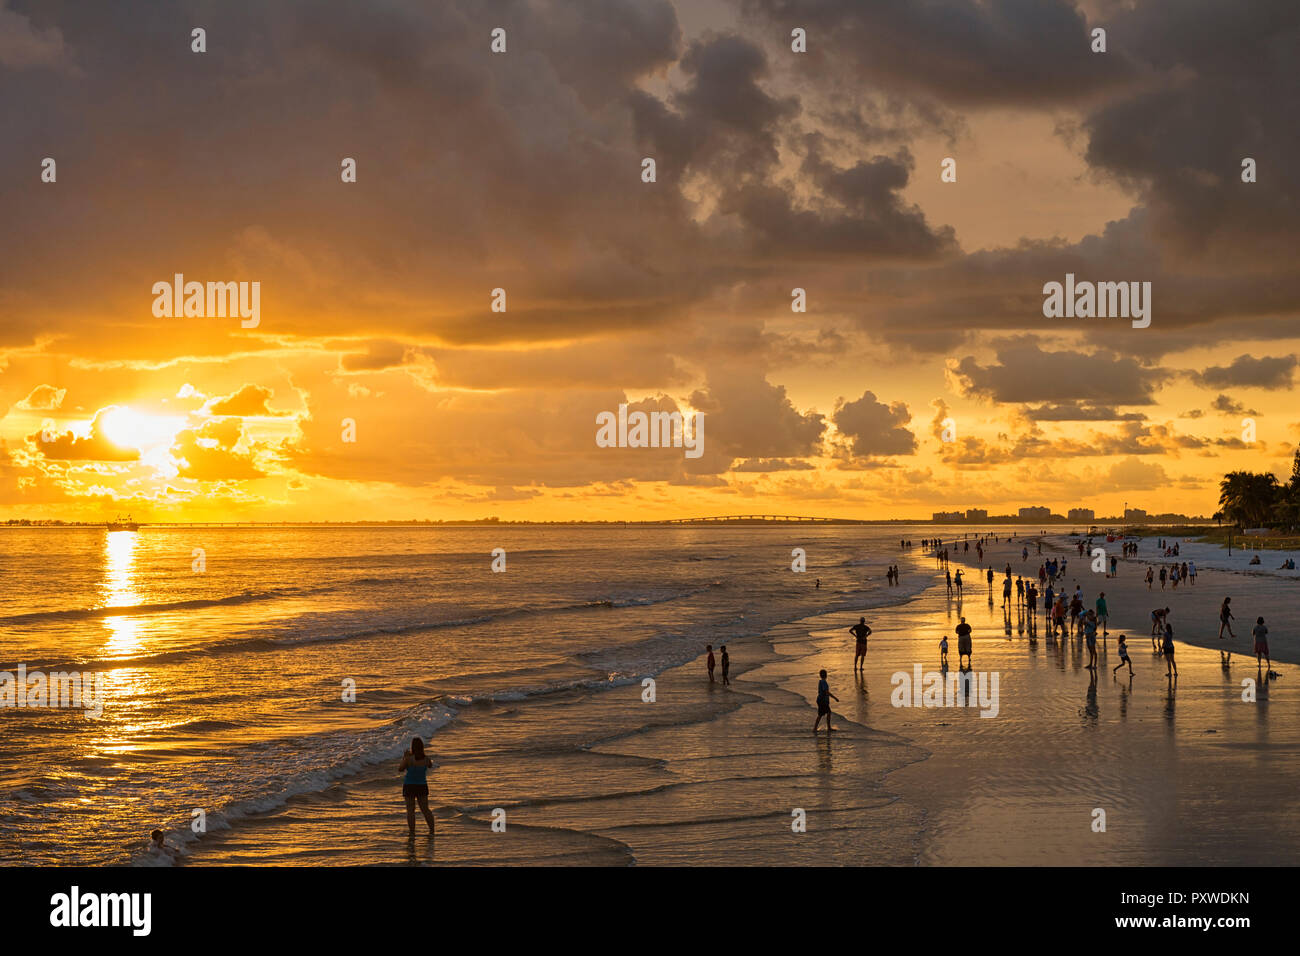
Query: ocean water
224	688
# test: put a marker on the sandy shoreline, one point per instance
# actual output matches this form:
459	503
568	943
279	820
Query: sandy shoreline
708	775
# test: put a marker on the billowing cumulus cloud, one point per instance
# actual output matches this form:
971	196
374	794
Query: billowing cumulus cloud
94	446
44	398
874	429
249	400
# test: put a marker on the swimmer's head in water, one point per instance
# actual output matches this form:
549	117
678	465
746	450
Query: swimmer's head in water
417	748
156	836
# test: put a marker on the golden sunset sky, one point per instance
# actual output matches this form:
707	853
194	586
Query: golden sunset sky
522	171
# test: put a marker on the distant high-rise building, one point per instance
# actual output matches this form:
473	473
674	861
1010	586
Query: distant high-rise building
1134	514
946	516
1082	514
977	514
1035	513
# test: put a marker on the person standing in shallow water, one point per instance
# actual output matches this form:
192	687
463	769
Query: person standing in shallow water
860	632
415	785
824	696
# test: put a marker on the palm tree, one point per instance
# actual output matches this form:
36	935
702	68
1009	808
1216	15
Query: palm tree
1286	511
1247	498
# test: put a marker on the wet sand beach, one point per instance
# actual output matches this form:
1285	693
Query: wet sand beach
1186	773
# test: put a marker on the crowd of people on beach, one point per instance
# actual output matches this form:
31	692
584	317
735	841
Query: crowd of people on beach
1173	574
1065	613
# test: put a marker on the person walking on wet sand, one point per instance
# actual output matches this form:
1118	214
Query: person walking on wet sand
943	652
1225	618
415	785
824	696
957	581
1123	658
710	662
860	632
963	643
1261	645
726	667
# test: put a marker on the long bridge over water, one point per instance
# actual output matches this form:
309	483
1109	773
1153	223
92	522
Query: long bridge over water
758	519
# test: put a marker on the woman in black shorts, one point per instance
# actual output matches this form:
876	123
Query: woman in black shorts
415	785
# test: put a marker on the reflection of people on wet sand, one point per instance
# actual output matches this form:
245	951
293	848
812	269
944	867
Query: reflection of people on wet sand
824	696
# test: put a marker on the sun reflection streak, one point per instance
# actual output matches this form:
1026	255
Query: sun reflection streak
119	590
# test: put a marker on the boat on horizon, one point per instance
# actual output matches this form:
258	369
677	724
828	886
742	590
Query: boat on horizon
122	524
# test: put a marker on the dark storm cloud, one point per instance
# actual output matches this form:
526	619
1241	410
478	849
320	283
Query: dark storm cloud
474	170
1246	371
725	126
971	52
1002	289
1185	92
1230	406
1025	372
1227	89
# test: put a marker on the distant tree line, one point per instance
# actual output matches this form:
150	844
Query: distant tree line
1259	500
